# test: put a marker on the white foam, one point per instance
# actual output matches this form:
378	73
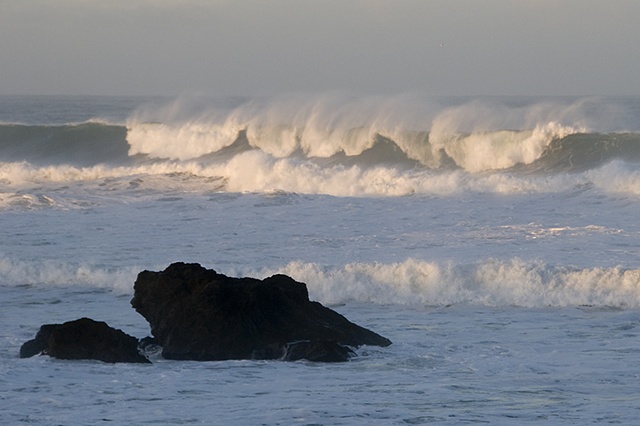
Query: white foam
472	134
58	273
492	282
617	176
319	126
498	150
257	171
186	141
25	175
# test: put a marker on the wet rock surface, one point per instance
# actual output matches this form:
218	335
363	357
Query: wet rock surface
198	314
84	338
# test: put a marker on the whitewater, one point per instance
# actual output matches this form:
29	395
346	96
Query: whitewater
493	240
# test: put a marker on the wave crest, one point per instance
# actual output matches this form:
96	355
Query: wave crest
492	282
473	136
57	273
499	150
328	145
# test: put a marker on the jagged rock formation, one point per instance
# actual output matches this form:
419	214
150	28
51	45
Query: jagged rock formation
198	314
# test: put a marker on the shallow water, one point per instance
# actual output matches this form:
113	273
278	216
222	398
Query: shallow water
449	365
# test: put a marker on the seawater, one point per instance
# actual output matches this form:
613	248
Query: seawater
493	240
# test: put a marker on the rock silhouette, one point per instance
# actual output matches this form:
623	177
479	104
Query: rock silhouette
84	339
198	314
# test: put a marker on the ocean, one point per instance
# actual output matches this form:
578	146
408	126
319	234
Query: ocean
494	240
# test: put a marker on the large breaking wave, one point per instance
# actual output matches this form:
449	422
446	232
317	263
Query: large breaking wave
336	146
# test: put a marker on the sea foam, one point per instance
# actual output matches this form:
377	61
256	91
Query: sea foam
489	282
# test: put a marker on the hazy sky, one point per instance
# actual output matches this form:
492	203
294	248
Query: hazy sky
261	47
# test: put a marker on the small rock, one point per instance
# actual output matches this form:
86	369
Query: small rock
84	339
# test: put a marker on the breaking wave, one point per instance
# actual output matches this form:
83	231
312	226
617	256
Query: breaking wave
491	282
513	282
331	146
56	273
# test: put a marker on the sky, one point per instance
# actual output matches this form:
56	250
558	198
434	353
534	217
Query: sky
267	47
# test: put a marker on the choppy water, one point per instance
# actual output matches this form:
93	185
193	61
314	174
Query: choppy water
494	241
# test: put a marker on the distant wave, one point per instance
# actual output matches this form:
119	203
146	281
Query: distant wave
475	152
474	136
606	161
491	282
583	151
548	148
334	147
78	144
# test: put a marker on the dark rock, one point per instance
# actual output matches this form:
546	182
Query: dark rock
317	350
84	339
40	343
198	314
